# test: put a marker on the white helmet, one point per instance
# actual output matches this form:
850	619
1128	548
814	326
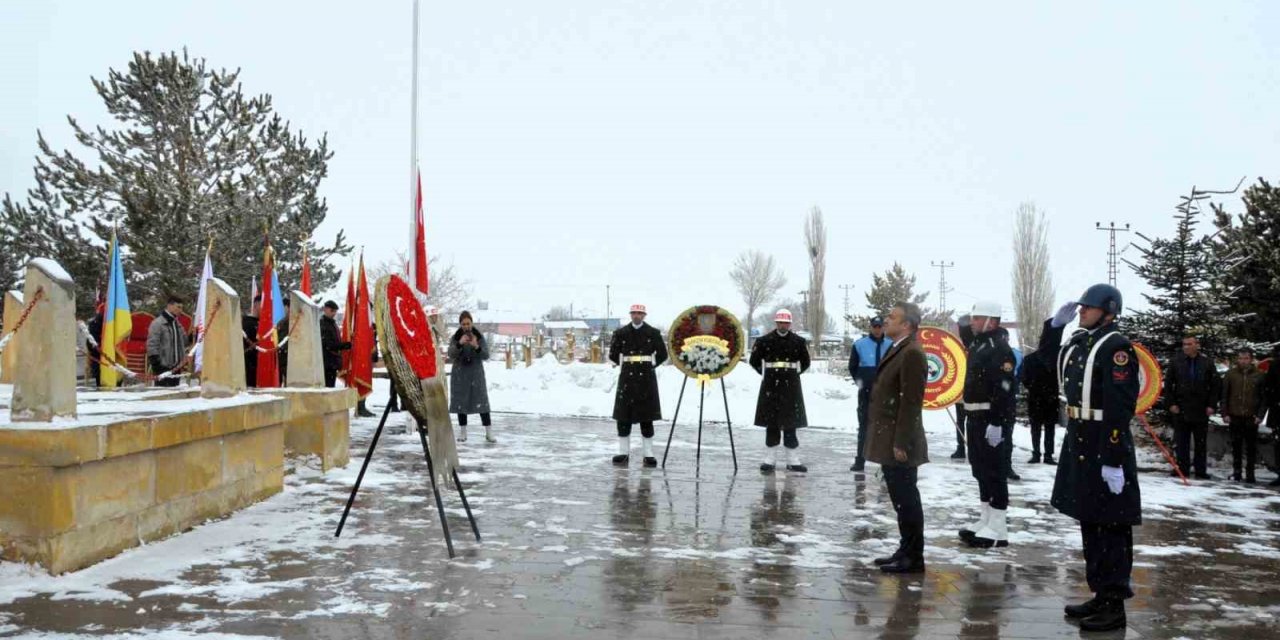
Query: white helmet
986	309
782	315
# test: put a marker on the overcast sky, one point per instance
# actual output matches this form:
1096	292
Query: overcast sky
643	144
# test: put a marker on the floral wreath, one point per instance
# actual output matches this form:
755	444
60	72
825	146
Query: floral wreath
706	342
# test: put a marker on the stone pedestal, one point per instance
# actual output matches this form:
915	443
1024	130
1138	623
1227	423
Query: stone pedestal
44	384
12	311
222	374
306	357
318	422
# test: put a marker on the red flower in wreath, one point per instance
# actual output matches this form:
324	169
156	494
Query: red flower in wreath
412	333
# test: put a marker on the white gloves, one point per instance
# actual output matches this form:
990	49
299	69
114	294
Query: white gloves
995	435
1064	315
1114	477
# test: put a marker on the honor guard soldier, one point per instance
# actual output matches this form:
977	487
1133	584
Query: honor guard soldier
638	349
990	404
1097	481
781	356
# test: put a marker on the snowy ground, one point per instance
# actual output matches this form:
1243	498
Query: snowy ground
574	548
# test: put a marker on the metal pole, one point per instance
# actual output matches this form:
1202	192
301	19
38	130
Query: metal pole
732	449
673	422
431	470
942	266
701	397
1112	254
413	151
363	467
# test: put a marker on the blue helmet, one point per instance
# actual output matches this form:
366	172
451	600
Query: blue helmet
1103	296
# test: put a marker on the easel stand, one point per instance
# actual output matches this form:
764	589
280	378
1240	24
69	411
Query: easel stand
701	399
431	470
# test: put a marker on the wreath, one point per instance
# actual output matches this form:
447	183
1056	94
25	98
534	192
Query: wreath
706	342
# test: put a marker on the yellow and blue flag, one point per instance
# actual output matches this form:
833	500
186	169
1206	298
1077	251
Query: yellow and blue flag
117	322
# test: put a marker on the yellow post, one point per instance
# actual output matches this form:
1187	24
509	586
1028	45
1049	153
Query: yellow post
510	346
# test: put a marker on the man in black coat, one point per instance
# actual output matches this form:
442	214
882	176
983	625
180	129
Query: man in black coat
282	351
1271	398
249	326
990	402
331	343
781	356
1097	479
95	352
638	349
1041	384
1192	388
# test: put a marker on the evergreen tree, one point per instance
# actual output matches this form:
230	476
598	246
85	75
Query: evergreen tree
1252	241
897	285
1187	278
191	159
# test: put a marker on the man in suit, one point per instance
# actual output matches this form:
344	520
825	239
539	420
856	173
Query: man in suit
896	439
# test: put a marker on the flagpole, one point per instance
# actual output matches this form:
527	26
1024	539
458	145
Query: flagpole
413	150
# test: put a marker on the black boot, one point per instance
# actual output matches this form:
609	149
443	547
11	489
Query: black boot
958	454
1035	458
363	412
897	555
621	460
1048	459
858	465
1084	609
1110	616
903	565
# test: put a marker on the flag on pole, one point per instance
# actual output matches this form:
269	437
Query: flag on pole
268	365
277	296
348	323
306	273
362	339
418	261
253	289
117	322
201	302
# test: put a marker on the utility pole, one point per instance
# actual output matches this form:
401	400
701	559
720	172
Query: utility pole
608	309
1112	254
805	309
942	267
846	288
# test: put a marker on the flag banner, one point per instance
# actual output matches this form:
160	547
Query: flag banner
117	321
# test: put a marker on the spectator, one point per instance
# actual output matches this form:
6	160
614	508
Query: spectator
467	393
167	344
1041	382
864	360
331	344
249	329
1192	389
1244	406
282	352
94	353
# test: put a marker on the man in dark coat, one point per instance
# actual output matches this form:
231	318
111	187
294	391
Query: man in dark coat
167	345
1244	406
1041	384
331	343
1191	390
781	356
896	439
990	402
1097	480
864	359
282	352
638	349
94	352
249	327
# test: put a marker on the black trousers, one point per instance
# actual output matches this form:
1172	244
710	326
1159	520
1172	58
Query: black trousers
331	378
1244	435
1108	559
988	463
785	435
484	420
1045	427
624	429
864	405
901	481
1185	429
961	419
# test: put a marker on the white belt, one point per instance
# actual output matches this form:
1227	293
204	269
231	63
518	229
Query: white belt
977	406
782	365
648	359
1077	413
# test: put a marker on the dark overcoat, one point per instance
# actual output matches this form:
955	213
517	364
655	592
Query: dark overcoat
781	400
468	392
897	405
637	397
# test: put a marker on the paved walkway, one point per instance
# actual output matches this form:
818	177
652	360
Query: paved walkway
576	549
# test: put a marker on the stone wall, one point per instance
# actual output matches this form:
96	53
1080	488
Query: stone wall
318	424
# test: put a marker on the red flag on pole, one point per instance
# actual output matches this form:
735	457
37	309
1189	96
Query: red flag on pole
268	364
348	322
362	339
419	262
306	273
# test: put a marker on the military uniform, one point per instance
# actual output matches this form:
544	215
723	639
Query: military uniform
990	400
780	358
638	350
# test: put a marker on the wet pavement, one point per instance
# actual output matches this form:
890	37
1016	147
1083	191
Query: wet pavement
574	548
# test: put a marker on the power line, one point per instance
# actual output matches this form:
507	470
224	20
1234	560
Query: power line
943	290
847	288
1112	254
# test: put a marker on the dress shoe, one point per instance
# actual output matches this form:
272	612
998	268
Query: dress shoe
903	565
1203	476
797	468
1109	617
1048	459
880	562
650	461
621	460
858	466
1013	475
766	468
1084	609
958	454
1035	458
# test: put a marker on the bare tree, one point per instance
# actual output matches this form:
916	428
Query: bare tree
449	292
1032	283
557	313
815	240
758	279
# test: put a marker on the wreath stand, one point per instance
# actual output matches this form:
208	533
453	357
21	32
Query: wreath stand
431	470
701	399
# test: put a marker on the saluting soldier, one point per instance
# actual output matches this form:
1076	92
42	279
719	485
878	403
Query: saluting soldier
1097	481
990	404
781	356
638	349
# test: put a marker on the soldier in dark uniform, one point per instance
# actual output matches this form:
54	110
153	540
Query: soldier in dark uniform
990	404
781	356
249	325
1097	481
331	344
638	349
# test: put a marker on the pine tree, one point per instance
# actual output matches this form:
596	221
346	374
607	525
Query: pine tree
897	285
1189	294
190	159
1253	240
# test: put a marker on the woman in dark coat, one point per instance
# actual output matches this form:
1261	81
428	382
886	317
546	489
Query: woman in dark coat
467	393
